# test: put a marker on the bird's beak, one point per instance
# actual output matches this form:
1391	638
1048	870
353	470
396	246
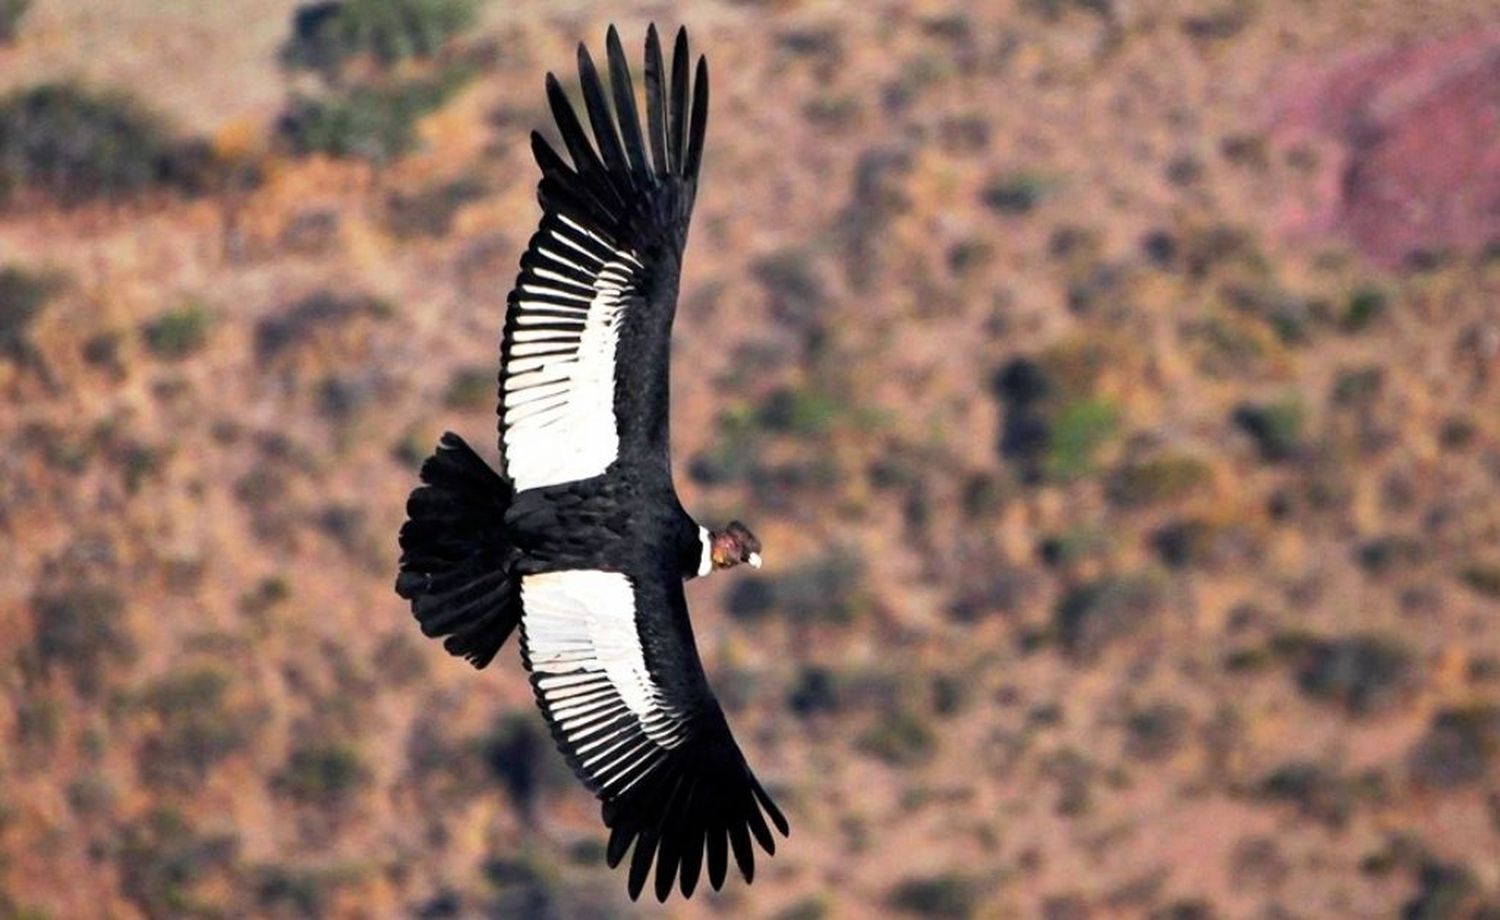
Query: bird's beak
754	560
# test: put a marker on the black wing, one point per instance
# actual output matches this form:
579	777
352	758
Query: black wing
615	672
586	351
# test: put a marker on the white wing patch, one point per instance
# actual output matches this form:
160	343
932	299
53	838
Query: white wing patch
591	678
558	383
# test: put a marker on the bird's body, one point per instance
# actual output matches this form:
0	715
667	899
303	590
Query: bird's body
580	539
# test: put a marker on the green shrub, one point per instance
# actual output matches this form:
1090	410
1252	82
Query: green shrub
1017	193
11	12
370	122
164	862
179	333
828	589
23	296
306	319
1358	387
519	752
1079	430
430	211
1102	612
806	411
1362	673
471	388
900	738
1446	892
792	283
1277	427
325	773
195	727
1482	577
1366	306
75	145
1156	732
1459	748
949	896
1163	478
1318	792
326	35
82	629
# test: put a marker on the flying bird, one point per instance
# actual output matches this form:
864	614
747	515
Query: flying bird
579	539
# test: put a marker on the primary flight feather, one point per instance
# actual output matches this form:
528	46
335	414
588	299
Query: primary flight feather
580	539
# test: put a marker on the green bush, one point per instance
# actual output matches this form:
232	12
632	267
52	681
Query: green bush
23	296
371	122
1318	792
1277	427
11	12
82	629
430	211
949	896
1017	193
1362	673
471	388
1100	613
1483	577
900	738
164	862
179	333
1459	748
807	411
195	727
522	756
75	145
326	773
1156	732
327	35
1163	478
1079	430
1366	306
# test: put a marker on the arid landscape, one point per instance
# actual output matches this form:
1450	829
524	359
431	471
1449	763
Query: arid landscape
1114	384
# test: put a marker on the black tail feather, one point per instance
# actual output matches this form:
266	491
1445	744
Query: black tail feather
455	559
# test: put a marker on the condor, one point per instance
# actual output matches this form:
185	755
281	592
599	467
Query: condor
580	539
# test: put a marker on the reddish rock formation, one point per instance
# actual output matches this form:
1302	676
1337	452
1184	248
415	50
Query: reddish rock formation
1406	145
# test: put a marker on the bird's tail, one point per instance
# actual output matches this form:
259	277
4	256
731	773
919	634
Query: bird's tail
455	558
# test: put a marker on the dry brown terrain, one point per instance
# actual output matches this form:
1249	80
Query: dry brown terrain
1113	384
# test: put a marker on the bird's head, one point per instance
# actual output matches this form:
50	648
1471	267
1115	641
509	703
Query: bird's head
733	545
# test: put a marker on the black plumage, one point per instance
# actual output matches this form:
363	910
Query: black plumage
580	539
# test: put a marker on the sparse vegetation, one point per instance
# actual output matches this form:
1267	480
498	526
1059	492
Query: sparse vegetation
23	296
11	14
376	122
523	757
971	298
1017	193
73	144
1161	478
951	896
327	36
328	774
471	388
83	630
179	333
1459	747
900	738
1095	615
1363	673
1276	427
195	728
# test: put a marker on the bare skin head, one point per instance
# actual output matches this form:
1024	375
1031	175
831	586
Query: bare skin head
733	545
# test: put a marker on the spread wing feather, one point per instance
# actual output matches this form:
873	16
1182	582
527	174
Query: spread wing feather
636	721
601	269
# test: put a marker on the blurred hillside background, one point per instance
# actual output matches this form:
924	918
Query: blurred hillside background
1112	383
